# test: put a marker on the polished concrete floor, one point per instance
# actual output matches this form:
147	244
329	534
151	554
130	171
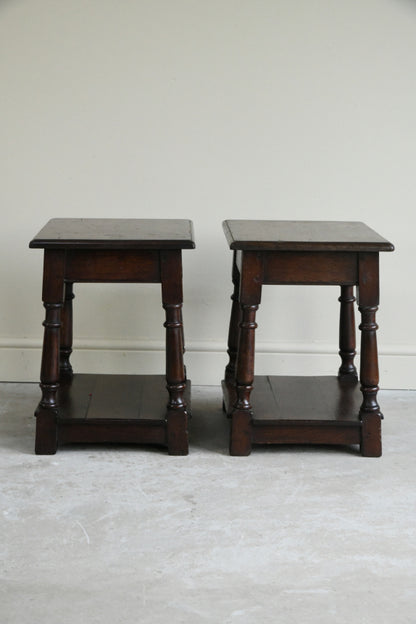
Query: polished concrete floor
287	535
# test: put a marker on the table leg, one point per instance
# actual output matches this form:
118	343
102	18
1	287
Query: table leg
177	415
183	344
347	332
251	279
47	411
66	371
242	413
368	297
234	329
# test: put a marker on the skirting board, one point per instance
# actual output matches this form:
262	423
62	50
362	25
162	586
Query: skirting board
205	361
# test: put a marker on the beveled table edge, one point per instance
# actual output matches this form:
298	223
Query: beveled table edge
41	242
276	245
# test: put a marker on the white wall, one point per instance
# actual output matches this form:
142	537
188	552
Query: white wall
206	110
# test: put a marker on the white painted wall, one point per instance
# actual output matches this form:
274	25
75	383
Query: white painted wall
206	110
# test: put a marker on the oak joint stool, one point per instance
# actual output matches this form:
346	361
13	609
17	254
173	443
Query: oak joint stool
90	408
304	410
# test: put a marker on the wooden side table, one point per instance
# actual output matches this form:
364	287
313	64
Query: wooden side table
111	408
304	410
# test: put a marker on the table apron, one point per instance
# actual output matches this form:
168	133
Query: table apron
112	266
287	267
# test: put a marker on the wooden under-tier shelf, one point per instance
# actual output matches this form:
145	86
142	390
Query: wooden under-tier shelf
128	409
302	410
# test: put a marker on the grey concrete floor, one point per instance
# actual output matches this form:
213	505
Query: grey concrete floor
289	534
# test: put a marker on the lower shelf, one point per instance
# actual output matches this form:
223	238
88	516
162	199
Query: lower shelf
302	410
114	408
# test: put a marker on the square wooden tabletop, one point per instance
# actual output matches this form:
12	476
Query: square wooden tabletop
303	236
115	234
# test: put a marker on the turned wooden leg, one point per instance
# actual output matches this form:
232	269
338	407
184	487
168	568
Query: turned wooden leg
183	343
175	382
234	328
47	411
249	295
66	371
177	415
347	333
370	413
240	443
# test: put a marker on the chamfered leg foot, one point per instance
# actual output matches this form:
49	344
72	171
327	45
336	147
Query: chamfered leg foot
371	435
46	442
177	433
240	438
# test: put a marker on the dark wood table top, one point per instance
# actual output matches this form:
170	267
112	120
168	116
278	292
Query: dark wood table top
115	234
264	235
